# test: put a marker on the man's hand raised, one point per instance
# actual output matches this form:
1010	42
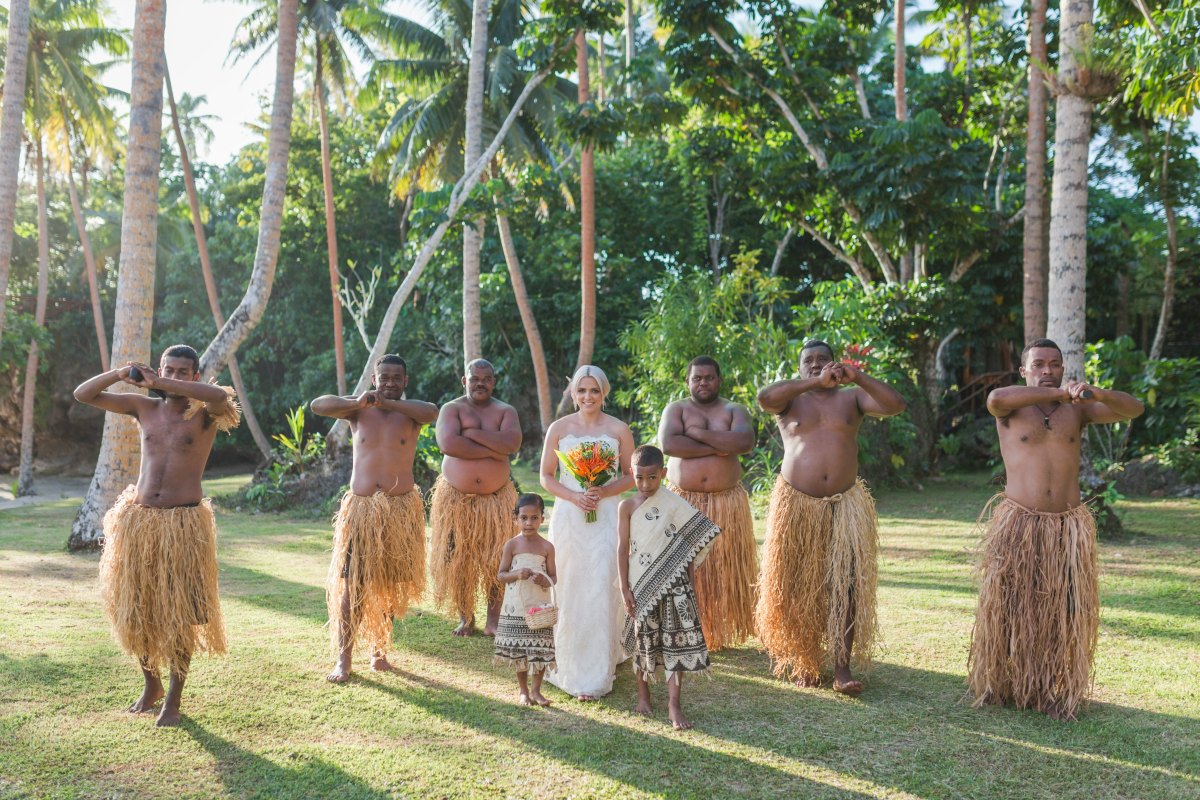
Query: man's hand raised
138	374
830	376
1080	393
368	399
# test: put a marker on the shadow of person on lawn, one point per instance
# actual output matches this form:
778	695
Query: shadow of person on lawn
247	774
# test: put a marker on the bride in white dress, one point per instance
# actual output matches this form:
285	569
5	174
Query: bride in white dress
587	638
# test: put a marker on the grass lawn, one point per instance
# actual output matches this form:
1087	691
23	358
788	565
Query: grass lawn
264	723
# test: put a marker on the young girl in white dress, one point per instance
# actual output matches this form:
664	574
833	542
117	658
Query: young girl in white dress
587	639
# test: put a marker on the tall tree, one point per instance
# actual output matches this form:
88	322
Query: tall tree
472	148
119	452
587	223
322	36
1034	252
422	139
63	99
210	283
11	114
1067	295
246	316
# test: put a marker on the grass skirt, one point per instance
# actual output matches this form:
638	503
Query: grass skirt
1038	614
469	532
725	580
158	581
818	579
379	556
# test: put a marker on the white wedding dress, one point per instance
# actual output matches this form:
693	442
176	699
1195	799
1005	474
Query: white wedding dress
587	638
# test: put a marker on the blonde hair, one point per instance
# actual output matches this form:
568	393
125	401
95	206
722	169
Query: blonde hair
597	374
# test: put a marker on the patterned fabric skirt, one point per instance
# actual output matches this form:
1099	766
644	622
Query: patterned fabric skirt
670	638
519	647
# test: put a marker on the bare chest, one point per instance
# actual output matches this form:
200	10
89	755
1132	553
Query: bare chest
471	418
380	429
166	433
836	413
717	419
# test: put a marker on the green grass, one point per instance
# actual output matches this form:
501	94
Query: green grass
264	723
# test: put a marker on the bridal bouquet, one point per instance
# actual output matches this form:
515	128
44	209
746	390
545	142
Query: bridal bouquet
592	464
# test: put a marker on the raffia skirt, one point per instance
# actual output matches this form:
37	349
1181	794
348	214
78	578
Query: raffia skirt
379	556
818	580
725	580
1038	614
469	532
158	581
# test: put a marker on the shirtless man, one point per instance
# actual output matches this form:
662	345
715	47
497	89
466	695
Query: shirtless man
704	435
473	499
1038	613
158	569
378	566
816	604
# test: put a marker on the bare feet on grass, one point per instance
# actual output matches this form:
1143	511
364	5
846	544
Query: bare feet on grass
643	707
678	721
1058	711
466	627
539	698
844	683
341	670
151	694
168	717
585	698
379	663
807	681
524	699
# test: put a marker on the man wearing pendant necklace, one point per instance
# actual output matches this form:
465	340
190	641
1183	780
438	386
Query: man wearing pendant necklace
1038	612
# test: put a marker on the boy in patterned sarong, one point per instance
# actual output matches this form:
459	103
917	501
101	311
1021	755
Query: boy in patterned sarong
662	540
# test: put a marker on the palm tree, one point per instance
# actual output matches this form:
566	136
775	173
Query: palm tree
587	223
1069	191
15	57
117	465
1035	179
422	138
63	99
472	149
254	303
210	284
324	35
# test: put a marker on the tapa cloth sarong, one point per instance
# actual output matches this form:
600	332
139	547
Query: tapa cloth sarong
516	645
379	558
158	581
725	581
469	532
666	536
818	580
1038	615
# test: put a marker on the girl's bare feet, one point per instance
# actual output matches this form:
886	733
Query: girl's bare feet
538	698
643	707
524	699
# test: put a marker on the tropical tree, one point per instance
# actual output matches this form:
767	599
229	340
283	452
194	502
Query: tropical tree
198	126
117	464
11	114
323	39
249	311
64	99
1034	253
422	139
587	224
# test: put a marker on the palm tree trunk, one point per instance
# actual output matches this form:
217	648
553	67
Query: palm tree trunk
537	353
339	342
117	465
899	65
1034	248
89	260
587	208
472	148
29	395
1065	322
246	316
210	283
458	197
16	59
1168	300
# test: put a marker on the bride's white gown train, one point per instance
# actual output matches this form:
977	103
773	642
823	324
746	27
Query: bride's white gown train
587	638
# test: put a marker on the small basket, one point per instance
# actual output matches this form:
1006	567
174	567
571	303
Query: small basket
545	616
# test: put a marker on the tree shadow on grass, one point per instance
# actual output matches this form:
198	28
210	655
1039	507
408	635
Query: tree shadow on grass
247	774
907	717
665	764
